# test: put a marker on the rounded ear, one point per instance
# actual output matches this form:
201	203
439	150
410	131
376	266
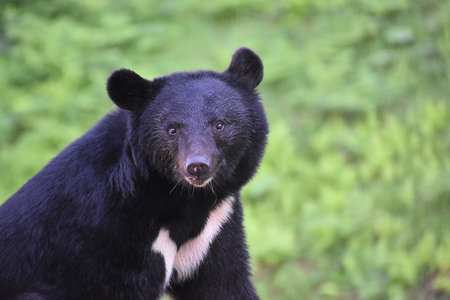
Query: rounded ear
246	68
127	89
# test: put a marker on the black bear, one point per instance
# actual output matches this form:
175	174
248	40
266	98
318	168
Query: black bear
147	201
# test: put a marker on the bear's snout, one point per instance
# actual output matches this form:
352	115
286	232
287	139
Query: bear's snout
198	165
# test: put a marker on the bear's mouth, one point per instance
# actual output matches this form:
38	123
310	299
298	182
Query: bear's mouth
197	181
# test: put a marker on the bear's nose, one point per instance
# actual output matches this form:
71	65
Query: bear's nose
197	165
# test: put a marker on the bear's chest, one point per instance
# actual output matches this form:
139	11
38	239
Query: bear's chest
187	258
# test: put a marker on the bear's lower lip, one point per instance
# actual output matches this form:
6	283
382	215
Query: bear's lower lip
198	182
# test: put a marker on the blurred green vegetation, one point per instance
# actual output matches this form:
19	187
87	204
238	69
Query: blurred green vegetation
353	198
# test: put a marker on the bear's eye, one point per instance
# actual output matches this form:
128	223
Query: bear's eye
220	125
172	130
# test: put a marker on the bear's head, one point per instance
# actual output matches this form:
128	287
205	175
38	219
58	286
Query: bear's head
200	128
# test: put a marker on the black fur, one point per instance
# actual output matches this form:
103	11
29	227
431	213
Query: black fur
84	226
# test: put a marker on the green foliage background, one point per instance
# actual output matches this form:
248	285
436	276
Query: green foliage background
353	198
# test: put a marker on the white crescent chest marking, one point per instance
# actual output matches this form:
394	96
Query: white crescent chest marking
187	259
164	245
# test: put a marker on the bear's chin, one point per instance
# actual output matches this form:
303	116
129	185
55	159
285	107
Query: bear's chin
196	182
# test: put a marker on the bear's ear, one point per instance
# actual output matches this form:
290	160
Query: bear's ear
128	90
246	67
